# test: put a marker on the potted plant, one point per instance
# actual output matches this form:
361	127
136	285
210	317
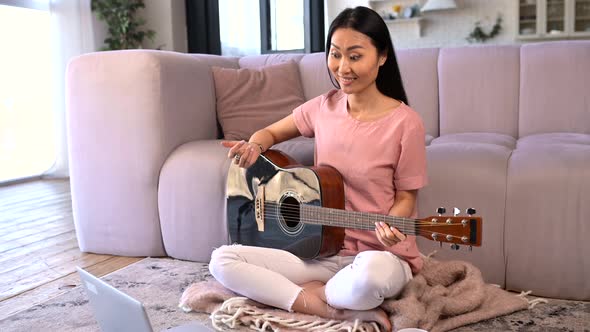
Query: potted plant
124	25
480	36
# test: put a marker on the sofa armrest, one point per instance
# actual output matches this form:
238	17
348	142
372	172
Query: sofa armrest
127	111
191	199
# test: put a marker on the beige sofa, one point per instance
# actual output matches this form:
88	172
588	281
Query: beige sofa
508	134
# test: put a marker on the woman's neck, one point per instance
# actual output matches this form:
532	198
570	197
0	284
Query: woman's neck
369	102
365	101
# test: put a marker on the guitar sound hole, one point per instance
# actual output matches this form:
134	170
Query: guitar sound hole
289	215
290	212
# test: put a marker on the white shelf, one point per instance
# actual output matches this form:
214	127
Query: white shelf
413	21
404	20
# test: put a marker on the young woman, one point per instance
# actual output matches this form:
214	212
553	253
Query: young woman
366	130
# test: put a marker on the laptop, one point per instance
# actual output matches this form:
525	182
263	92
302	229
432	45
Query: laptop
117	311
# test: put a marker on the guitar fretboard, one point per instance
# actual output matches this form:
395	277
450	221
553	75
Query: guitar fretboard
318	215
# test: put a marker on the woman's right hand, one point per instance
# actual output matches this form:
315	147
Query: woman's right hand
242	153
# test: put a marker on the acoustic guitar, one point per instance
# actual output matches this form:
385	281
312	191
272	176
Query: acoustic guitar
277	203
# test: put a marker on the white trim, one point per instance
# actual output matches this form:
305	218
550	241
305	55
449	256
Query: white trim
31	4
432	5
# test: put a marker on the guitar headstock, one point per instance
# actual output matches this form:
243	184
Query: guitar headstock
458	230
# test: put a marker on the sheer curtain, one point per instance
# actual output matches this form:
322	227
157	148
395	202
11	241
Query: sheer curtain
239	27
72	34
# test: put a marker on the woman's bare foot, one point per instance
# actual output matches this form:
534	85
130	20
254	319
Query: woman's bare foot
312	301
383	320
375	315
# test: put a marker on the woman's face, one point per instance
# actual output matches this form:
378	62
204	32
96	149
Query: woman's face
354	60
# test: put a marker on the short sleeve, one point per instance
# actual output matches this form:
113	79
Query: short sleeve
305	115
411	172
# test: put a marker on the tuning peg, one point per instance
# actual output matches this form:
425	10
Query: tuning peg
456	211
471	211
455	246
441	211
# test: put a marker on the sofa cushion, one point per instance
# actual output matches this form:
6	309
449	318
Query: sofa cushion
484	138
543	140
264	60
469	175
191	200
419	72
315	75
428	139
547	212
554	80
478	89
248	99
217	60
300	148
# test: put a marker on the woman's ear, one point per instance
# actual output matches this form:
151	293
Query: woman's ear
382	58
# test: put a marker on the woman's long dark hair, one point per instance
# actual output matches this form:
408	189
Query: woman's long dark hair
368	22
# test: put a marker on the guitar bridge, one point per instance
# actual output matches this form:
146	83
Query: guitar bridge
259	208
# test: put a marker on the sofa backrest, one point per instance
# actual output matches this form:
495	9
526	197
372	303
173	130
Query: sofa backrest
314	75
554	88
218	61
259	61
505	89
420	75
478	88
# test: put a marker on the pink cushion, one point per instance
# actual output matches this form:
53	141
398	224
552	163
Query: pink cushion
248	99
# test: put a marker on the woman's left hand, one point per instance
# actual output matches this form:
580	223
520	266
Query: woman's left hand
388	235
243	154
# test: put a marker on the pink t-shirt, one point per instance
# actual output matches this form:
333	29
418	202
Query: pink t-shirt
375	158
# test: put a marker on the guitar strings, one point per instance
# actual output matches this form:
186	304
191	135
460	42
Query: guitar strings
329	220
408	230
293	210
335	220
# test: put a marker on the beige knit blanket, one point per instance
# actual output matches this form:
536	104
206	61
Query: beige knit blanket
443	296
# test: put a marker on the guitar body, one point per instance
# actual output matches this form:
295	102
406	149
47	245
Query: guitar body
280	184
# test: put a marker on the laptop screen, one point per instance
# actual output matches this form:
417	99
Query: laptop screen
113	309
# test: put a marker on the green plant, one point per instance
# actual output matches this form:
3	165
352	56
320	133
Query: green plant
478	35
124	25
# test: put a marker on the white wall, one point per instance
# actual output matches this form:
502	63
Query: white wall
333	7
168	19
99	32
441	28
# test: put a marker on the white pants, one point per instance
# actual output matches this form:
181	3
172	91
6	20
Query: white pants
273	276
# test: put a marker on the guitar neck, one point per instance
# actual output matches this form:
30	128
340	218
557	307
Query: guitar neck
318	215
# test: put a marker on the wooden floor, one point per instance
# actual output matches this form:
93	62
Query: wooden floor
38	247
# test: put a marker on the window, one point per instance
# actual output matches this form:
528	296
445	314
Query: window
27	124
288	26
250	27
239	27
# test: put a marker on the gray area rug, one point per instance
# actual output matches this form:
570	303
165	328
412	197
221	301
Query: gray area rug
159	282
